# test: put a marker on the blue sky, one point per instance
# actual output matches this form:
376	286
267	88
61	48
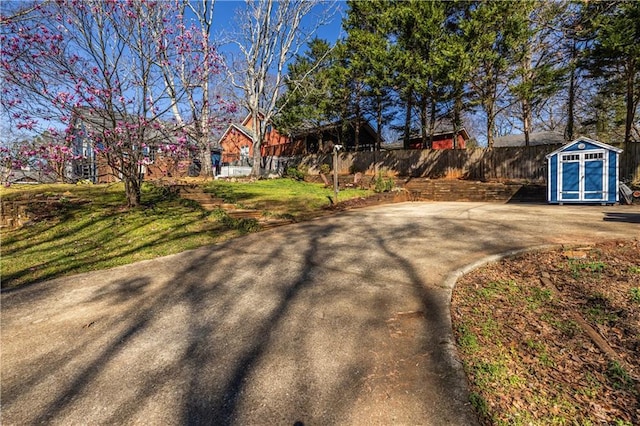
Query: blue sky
225	12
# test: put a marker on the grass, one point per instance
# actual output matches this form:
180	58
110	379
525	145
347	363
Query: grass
578	267
278	197
87	227
467	340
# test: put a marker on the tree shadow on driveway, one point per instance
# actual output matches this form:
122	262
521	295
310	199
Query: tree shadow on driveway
337	321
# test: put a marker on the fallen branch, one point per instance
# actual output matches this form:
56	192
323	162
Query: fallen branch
596	338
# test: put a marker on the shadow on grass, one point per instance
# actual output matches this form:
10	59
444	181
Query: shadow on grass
96	238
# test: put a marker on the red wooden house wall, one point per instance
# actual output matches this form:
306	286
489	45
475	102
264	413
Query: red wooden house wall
238	137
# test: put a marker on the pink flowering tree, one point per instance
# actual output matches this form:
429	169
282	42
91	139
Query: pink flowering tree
45	154
97	71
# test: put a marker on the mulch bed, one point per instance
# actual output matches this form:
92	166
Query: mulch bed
553	337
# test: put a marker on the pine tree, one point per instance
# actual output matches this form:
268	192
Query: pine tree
614	58
493	32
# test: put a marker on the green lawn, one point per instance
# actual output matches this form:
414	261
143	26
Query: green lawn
87	227
280	196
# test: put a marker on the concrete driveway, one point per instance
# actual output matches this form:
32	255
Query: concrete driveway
342	320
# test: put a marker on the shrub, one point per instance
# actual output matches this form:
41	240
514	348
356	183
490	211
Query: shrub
295	173
382	183
325	169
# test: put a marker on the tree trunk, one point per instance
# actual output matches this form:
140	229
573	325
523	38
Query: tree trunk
257	145
526	120
423	123
407	118
631	105
256	158
490	125
432	123
572	94
457	120
132	187
205	160
378	123
356	134
527	96
356	129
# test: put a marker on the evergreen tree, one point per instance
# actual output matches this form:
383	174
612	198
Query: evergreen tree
538	71
614	59
494	31
368	58
308	100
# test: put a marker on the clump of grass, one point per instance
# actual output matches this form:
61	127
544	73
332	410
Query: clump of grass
498	288
467	340
242	225
599	310
538	297
569	328
619	376
479	403
577	267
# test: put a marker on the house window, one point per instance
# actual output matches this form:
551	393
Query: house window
149	153
244	151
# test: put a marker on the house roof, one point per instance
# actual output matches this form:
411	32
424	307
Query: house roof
440	130
311	128
261	116
587	140
242	129
537	138
101	120
30	176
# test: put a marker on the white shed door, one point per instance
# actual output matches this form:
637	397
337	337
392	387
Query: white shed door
583	176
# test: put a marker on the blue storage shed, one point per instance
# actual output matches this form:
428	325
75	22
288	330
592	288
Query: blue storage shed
583	171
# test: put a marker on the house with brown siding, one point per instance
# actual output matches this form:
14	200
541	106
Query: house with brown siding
237	140
321	139
442	138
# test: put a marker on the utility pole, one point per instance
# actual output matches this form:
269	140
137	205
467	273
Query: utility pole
336	148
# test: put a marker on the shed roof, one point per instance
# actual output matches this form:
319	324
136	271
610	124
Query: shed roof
587	140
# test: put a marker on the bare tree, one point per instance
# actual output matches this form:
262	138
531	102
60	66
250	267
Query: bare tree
190	64
270	34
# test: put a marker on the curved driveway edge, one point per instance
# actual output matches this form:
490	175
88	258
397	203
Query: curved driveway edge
342	320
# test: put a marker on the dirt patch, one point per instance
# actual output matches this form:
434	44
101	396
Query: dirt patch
553	337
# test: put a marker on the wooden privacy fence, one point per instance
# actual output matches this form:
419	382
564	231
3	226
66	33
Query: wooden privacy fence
518	163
